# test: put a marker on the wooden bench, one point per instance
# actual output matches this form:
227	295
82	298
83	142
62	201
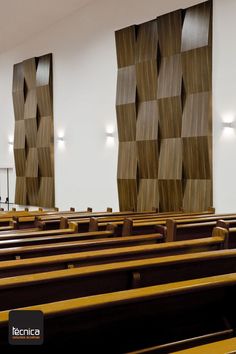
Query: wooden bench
177	230
170	317
83	220
20	234
74	260
28	240
227	346
70	246
230	225
58	285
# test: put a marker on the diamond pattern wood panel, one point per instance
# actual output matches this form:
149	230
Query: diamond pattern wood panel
33	138
163	105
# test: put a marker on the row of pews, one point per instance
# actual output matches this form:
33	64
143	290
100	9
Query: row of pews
122	282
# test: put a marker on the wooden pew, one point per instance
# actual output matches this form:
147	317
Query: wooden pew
26	289
75	260
70	246
230	226
72	229
220	347
170	317
83	220
11	226
27	240
177	230
135	227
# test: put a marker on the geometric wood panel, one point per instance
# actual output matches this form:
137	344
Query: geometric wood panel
125	43
34	136
148	191
197	119
164	111
197	157
196	27
169	33
202	191
127	189
170	161
170	195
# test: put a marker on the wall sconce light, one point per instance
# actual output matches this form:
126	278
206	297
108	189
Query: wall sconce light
227	125
110	136
10	143
60	139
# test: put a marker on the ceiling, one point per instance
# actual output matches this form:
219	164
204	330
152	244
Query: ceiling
21	19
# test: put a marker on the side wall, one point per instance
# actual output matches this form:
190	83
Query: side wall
84	54
224	105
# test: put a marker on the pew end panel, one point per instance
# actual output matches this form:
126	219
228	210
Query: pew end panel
64	223
127	228
224	233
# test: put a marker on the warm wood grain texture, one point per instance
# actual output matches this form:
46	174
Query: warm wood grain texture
201	189
197	68
196	27
127	162
45	195
170	117
126	85
164	94
226	346
19	136
197	157
125	44
31	131
170	160
147	121
148	158
197	117
33	138
171	195
21	189
32	163
169	32
18	91
148	194
146	73
127	189
170	77
126	121
147	41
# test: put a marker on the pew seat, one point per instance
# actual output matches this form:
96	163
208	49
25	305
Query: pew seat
227	346
171	317
43	250
74	260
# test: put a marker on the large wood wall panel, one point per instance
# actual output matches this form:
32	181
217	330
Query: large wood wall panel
33	141
164	93
197	117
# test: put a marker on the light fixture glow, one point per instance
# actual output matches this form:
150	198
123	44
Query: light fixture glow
10	143
110	135
227	124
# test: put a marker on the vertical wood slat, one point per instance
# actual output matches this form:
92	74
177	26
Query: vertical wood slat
33	139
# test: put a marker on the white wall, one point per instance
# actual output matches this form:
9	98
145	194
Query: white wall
84	58
224	104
